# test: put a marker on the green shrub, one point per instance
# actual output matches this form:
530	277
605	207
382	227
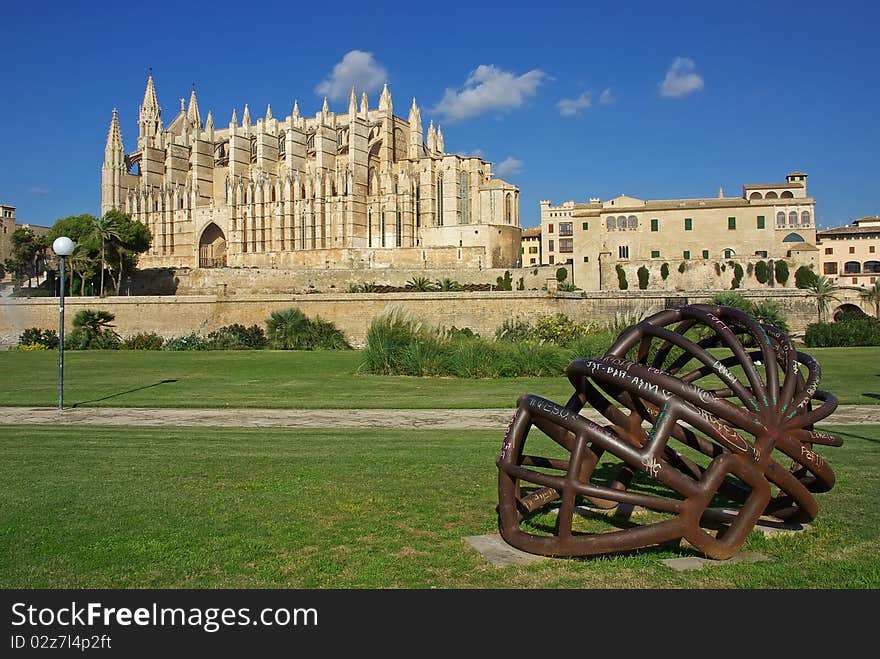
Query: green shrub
143	341
92	331
717	269
504	283
850	331
30	347
762	272
781	271
664	271
770	312
682	267
191	341
804	277
737	276
561	274
34	336
513	329
559	329
447	284
290	329
420	284
621	278
237	337
643	276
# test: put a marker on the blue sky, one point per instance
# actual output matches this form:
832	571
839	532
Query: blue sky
568	100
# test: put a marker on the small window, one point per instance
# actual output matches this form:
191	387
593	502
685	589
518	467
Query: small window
780	219
632	222
761	253
829	250
551	259
805	218
609	224
655	253
688	224
550	228
728	253
655	224
705	253
586	259
551	246
566	245
870	249
760	221
565	229
731	223
852	250
533	250
585	226
686	254
830	268
623	251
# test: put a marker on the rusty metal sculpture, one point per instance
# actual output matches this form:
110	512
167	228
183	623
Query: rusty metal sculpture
702	403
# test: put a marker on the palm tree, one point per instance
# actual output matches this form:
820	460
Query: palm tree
447	284
872	296
106	229
420	284
824	291
288	329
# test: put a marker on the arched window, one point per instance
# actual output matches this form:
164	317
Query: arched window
508	208
609	224
399	234
282	145
273	193
382	228
792	219
780	219
632	222
793	238
852	268
871	266
729	253
771	195
253	148
756	195
463	198
621	222
805	218
786	194
440	201
418	206
369	227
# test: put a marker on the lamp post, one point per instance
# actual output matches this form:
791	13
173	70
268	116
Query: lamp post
63	247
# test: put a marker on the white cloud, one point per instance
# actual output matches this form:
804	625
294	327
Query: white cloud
606	98
489	88
474	153
681	79
570	107
356	69
39	191
509	167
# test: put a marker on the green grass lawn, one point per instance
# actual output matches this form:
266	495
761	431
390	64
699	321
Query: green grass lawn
297	379
231	508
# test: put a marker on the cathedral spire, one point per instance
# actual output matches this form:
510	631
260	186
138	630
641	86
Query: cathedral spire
441	148
385	100
246	120
415	117
295	113
192	112
352	103
114	139
209	126
149	116
269	112
365	105
432	137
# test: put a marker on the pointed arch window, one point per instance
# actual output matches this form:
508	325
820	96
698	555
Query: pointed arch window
440	201
382	228
282	145
399	236
418	206
463	198
369	227
508	208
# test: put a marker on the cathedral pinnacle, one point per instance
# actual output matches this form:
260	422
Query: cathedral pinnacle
193	112
234	120
295	113
325	109
150	100
352	102
365	105
268	112
246	117
114	135
385	99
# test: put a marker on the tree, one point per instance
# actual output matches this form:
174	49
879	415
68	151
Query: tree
28	255
824	291
781	272
106	230
804	276
133	240
84	260
872	296
419	284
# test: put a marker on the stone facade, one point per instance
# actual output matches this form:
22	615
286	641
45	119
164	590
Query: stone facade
851	254
7	226
531	247
768	221
364	186
352	313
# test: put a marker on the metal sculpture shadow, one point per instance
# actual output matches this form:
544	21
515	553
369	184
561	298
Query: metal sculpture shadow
706	408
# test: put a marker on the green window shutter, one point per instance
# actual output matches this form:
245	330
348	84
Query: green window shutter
687	254
655	224
760	221
688	224
655	253
585	226
705	253
731	223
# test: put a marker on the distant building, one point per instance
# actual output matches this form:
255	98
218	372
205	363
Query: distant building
8	226
769	221
531	246
363	188
851	254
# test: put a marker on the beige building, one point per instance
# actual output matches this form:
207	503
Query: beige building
7	226
769	221
531	246
363	188
851	254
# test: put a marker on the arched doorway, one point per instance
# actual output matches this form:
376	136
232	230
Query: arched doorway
848	310
212	248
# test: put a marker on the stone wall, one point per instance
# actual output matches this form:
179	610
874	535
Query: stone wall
483	312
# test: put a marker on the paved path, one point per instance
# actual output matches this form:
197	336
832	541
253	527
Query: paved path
488	419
